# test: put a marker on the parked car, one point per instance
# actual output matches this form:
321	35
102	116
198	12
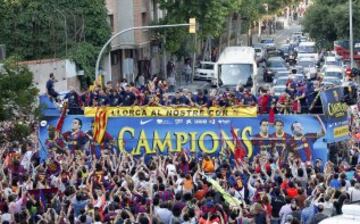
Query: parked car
334	72
260	53
332	80
278	90
307	50
205	71
332	60
268	44
274	65
307	66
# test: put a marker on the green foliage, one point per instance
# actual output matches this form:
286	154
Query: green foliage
36	29
328	20
210	15
18	95
19	132
85	55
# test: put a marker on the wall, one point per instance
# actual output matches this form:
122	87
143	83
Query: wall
64	71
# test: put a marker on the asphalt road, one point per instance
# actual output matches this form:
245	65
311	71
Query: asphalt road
280	37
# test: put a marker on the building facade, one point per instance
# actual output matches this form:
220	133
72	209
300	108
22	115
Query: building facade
134	52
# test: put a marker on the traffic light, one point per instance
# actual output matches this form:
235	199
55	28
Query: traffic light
192	25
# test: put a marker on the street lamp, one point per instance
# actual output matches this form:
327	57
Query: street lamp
191	26
351	35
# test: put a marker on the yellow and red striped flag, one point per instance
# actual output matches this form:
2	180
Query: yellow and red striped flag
100	123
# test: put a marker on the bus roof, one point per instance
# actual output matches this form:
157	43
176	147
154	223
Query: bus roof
237	55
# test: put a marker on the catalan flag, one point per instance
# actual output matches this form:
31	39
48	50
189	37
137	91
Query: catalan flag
100	123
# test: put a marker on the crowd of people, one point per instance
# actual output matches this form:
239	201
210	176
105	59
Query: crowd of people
74	186
77	185
300	96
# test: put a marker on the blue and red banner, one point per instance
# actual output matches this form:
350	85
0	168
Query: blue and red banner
209	135
335	115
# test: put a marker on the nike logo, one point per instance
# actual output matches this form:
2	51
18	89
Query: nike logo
145	122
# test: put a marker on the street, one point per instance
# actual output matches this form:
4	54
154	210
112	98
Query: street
280	37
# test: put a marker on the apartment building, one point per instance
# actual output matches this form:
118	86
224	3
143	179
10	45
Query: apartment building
133	52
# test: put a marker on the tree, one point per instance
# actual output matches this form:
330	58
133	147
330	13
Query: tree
328	20
18	95
210	14
35	29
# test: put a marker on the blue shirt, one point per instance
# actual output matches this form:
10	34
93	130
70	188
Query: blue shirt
307	214
335	183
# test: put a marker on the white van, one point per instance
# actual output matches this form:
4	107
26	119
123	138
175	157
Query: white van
350	216
307	50
236	66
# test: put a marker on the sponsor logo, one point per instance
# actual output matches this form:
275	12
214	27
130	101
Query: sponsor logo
145	121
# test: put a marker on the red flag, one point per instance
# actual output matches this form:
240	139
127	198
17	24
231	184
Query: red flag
239	152
271	115
61	120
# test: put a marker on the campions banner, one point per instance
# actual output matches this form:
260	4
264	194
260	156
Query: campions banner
291	134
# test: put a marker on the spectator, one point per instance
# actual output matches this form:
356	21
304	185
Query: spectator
319	216
264	101
187	70
128	96
248	99
74	102
50	88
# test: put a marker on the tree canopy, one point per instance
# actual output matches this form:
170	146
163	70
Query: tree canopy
34	29
211	16
328	20
18	95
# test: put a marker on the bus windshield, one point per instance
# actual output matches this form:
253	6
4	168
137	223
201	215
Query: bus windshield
234	74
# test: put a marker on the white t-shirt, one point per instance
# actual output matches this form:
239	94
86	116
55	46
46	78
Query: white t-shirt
26	161
6	217
171	169
178	184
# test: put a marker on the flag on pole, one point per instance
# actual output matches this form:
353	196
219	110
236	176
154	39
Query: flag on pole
239	152
230	200
61	120
100	124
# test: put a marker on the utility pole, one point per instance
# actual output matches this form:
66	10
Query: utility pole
351	42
